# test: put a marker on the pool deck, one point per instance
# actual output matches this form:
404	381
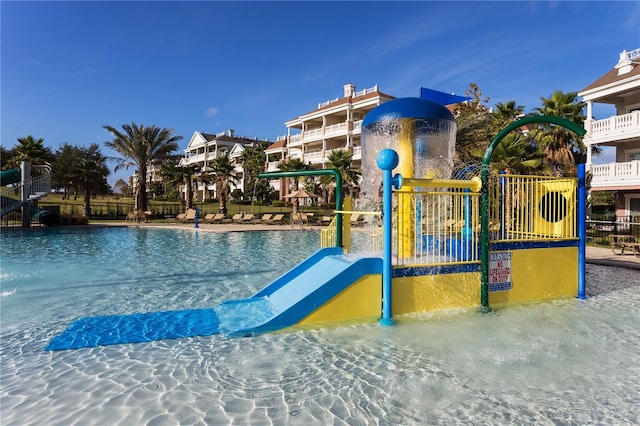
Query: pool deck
595	255
604	256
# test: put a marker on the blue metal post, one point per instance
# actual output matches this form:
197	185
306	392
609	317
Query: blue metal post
387	161
582	230
195	219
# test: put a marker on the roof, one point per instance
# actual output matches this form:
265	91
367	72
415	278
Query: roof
231	139
345	100
278	144
612	77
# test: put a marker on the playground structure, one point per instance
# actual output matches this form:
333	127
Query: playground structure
439	243
23	187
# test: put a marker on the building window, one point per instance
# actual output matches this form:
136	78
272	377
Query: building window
633	205
632	154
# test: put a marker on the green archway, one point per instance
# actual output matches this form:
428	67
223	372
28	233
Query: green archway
484	196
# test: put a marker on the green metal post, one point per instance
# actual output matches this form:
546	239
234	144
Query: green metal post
484	193
322	172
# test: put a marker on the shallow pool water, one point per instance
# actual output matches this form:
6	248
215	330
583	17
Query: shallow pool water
559	362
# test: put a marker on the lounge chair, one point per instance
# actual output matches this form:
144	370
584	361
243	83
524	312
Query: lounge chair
276	219
248	218
325	220
264	219
217	218
236	218
209	217
188	216
356	220
299	219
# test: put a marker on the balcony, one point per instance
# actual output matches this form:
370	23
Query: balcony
272	166
357	153
326	132
613	129
315	157
197	158
616	175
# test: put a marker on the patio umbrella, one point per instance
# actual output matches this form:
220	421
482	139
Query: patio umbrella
300	193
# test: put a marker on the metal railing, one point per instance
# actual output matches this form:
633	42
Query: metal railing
600	226
524	208
436	227
33	189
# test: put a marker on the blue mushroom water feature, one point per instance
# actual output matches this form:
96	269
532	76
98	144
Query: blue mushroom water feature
423	133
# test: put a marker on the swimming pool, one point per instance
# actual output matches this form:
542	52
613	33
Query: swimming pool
567	361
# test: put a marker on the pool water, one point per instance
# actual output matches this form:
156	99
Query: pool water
565	361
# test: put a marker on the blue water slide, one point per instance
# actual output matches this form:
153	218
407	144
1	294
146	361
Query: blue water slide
283	303
296	294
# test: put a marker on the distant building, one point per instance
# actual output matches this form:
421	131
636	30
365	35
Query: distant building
153	173
619	87
203	148
333	125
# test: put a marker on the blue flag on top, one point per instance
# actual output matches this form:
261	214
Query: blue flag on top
441	97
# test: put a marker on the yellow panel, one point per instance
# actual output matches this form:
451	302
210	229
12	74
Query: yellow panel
538	274
553	212
404	148
361	299
435	292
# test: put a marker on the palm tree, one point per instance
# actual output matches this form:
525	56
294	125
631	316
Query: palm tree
293	165
140	145
31	150
222	174
340	159
563	149
253	160
518	155
180	175
92	172
505	113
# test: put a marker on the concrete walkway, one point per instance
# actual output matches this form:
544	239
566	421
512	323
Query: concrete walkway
605	256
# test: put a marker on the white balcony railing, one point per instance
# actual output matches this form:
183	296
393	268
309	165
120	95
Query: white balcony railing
615	174
357	153
272	166
313	157
357	126
313	133
335	129
195	158
613	128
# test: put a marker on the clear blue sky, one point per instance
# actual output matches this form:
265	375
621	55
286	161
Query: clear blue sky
68	68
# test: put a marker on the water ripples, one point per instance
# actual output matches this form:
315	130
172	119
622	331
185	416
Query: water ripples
561	362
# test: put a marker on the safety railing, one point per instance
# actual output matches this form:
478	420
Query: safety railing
437	226
328	234
35	188
373	228
523	208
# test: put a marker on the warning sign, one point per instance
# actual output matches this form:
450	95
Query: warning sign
500	271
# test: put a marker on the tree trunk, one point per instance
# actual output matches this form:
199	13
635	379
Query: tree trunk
86	205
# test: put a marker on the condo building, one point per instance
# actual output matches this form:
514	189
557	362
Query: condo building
619	87
202	150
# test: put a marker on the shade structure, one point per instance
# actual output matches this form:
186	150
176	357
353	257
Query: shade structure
301	193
